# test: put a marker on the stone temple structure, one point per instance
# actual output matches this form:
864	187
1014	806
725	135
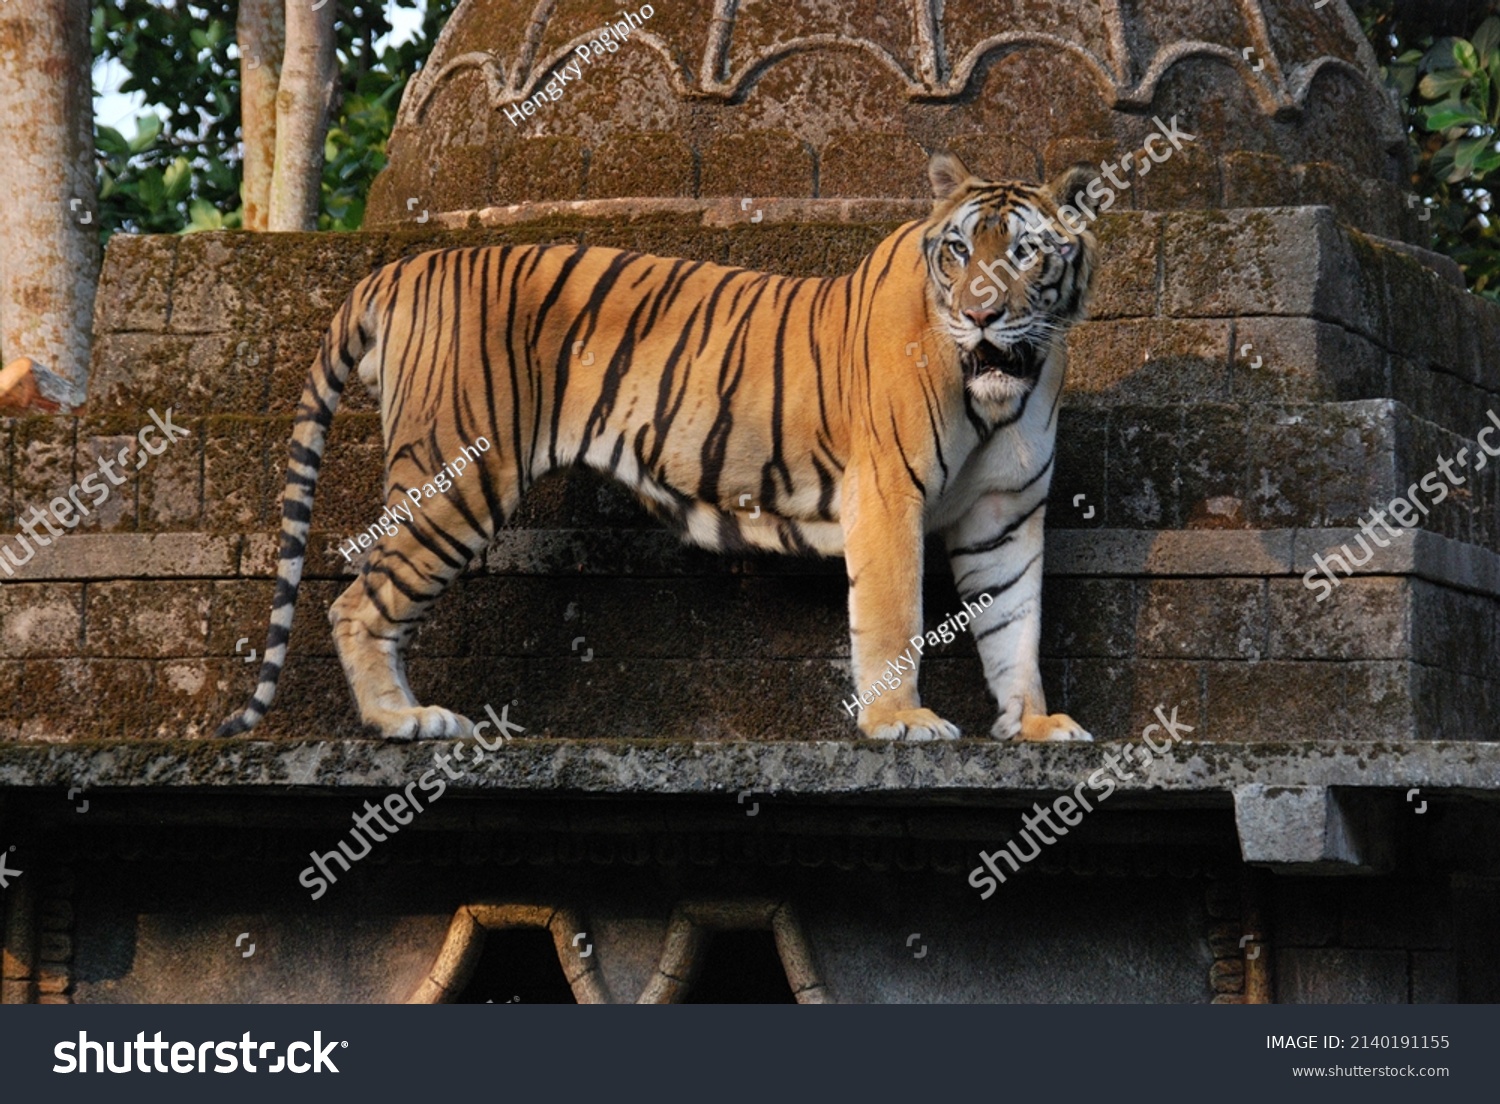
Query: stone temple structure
1272	355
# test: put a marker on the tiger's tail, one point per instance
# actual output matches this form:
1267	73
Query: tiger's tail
343	345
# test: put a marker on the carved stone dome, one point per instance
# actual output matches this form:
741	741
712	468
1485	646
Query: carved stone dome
821	99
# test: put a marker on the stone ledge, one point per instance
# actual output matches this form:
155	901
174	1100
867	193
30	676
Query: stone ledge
90	556
656	553
973	770
710	212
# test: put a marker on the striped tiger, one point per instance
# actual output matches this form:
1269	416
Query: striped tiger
917	394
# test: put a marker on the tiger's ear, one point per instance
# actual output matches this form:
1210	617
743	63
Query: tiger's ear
947	173
1068	187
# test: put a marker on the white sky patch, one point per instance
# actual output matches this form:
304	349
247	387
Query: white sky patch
112	107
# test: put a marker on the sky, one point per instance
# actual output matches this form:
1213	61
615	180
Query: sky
116	109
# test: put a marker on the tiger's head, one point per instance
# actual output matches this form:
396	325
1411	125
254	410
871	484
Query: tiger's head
1009	266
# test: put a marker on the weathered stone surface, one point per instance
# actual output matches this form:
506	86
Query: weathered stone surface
863	74
135	290
656	164
1142	473
1223	263
756	164
1108	629
241	488
1285	466
133	555
66	698
1378	703
1307	976
41	620
1213	467
1308	702
1361	619
1125	279
1203	619
189	374
872	164
980	769
108	449
188	696
10	698
42	464
1453	706
147	619
1306	827
1148	362
1433	977
1303	360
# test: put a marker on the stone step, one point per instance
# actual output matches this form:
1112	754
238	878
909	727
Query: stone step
1219	625
223	323
1202	466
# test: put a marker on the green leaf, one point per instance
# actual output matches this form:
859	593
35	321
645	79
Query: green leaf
204	216
147	130
1466	56
111	141
1441	83
1466	153
1452	113
1440	56
151	190
177	179
1487	162
1487	41
1442	162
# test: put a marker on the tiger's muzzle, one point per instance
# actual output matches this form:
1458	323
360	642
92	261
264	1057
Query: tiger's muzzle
1021	361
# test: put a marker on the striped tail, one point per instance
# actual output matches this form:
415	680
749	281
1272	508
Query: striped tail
343	345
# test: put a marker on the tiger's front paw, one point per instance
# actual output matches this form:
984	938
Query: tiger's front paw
1046	728
909	724
431	722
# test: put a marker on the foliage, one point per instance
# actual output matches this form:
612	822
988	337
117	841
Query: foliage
181	171
181	168
355	148
1449	87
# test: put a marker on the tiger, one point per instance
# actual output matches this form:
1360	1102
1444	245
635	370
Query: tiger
918	394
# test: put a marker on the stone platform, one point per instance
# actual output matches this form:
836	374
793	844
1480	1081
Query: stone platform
1250	384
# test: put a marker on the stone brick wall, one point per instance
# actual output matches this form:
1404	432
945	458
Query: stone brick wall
1251	385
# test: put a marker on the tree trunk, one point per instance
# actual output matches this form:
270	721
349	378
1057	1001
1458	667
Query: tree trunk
261	31
49	230
303	100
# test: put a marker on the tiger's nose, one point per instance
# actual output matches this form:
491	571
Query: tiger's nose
981	316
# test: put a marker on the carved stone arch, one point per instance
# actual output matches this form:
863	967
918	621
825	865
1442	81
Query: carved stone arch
464	943
682	949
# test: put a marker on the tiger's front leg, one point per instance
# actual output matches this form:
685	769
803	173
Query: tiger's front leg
996	550
883	551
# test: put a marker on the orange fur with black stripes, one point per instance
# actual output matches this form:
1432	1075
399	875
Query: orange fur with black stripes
858	412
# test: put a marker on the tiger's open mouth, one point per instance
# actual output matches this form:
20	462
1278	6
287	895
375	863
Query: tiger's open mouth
1022	361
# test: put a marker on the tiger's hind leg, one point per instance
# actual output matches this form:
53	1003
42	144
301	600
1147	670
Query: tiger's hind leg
379	612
